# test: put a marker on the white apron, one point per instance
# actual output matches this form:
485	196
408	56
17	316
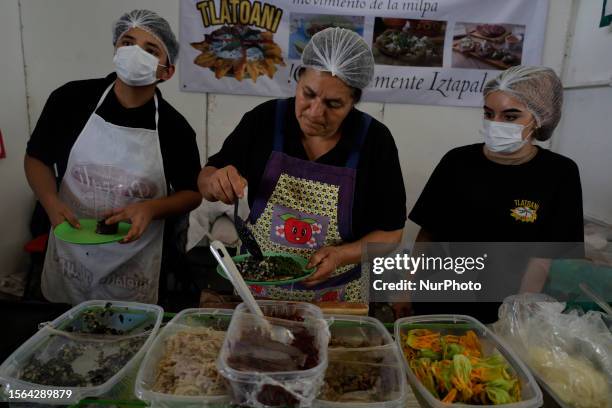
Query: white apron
109	167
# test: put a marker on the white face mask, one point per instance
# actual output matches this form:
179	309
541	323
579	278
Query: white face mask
501	137
135	66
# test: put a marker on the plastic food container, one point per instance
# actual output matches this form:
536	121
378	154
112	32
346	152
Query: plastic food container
491	344
365	366
186	321
114	357
261	372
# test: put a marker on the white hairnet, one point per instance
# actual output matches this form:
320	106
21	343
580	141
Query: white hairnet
539	88
152	23
341	52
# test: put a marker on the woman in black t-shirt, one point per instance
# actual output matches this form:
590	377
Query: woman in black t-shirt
505	189
122	153
318	172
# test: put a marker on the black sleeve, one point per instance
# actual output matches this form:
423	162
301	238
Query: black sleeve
568	218
428	209
236	146
183	164
383	192
43	144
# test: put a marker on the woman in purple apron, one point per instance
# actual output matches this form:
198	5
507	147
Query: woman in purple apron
318	171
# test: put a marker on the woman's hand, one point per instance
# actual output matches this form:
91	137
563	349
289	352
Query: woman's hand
535	276
330	258
139	214
42	180
224	184
59	212
327	260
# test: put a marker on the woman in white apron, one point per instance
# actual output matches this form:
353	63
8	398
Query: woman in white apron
302	205
117	172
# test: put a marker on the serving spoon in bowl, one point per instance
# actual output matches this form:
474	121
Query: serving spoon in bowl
277	333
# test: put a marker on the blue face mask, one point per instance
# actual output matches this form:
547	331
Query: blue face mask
501	137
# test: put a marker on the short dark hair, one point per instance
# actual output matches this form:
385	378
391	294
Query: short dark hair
355	92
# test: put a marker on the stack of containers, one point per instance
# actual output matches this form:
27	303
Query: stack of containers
92	350
458	325
179	370
365	366
264	373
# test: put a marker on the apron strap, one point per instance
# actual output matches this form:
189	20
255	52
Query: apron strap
279	125
104	96
353	158
111	86
156	109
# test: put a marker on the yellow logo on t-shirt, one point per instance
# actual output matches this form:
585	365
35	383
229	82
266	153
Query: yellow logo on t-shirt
525	211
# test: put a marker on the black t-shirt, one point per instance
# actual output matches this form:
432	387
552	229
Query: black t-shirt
470	198
70	106
380	197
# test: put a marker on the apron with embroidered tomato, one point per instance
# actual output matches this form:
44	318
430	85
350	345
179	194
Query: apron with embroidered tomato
302	206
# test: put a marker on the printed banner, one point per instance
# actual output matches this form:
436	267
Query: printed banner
426	52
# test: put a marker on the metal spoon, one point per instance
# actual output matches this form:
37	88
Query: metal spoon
277	333
246	236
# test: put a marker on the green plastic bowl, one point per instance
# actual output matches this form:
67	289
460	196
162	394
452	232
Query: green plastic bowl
300	260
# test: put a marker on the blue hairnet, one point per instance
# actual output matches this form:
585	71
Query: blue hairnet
152	23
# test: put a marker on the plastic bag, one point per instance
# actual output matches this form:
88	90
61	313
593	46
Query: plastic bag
571	353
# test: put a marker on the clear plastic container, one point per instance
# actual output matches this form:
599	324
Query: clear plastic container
350	331
115	357
531	394
186	321
365	366
264	373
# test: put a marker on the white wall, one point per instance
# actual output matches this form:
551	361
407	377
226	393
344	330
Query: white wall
589	56
65	40
15	197
585	132
586	136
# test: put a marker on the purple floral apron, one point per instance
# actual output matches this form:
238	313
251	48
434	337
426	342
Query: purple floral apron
302	206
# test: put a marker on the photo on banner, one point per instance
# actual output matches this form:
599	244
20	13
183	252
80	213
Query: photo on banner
304	26
425	52
487	46
408	42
